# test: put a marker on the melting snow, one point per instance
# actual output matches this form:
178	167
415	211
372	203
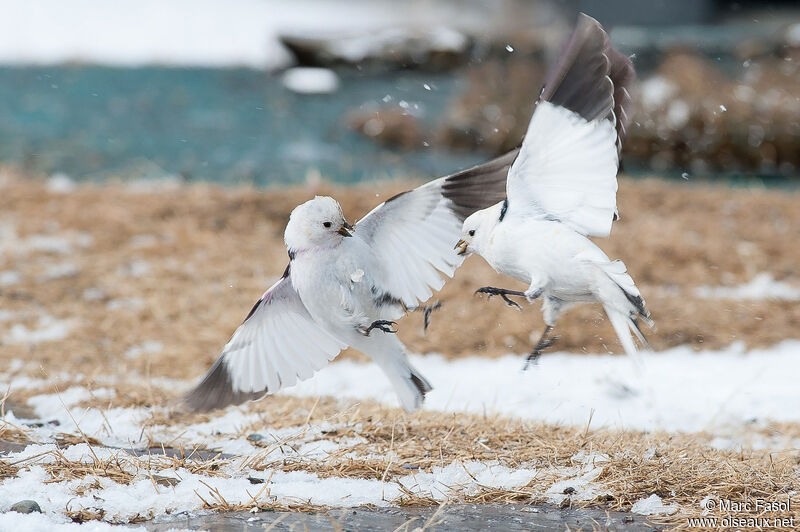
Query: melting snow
762	286
653	506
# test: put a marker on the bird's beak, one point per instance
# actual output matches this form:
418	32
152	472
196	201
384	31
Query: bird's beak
345	229
462	247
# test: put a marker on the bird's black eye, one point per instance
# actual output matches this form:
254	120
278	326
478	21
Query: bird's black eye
472	232
326	224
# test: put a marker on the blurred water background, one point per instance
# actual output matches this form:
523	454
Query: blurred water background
211	90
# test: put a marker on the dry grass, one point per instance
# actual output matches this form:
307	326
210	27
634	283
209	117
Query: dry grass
209	252
682	469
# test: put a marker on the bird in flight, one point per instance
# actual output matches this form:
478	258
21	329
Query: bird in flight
561	189
345	286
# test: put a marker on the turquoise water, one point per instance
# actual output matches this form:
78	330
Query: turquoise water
222	125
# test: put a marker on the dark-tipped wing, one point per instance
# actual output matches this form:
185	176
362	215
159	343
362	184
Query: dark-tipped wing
413	233
276	345
568	162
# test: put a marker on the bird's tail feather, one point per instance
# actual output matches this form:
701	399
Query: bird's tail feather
409	384
634	326
623	326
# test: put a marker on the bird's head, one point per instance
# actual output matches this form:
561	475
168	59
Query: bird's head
477	229
316	223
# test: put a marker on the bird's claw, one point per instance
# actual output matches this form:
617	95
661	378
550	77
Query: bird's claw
503	293
383	325
426	314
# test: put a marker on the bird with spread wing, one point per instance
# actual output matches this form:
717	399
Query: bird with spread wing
345	286
561	189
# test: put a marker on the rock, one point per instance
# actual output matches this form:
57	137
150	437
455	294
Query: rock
26	507
390	48
255	437
389	126
492	115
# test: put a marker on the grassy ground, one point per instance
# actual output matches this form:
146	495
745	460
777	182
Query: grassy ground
182	266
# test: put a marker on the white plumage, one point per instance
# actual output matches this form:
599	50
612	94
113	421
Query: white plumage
562	188
343	286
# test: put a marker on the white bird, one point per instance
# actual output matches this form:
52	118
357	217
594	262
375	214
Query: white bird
343	286
561	189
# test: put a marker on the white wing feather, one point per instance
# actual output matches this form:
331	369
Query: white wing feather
567	168
278	344
413	235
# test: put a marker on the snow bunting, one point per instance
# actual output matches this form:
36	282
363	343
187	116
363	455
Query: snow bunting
562	188
344	286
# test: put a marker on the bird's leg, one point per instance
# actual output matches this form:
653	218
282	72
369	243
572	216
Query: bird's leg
531	295
384	325
503	293
543	343
426	314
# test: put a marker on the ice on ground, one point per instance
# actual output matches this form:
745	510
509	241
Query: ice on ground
675	390
307	80
762	286
652	505
48	329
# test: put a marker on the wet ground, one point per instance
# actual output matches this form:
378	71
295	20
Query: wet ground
461	517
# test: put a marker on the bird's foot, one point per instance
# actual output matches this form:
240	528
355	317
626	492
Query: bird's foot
383	325
503	293
426	314
533	358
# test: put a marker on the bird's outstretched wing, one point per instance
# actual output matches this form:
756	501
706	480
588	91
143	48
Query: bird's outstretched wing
413	233
276	345
567	165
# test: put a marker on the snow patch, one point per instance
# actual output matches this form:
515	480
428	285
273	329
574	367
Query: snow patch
652	505
145	348
675	390
48	329
444	483
61	184
762	286
9	278
63	270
